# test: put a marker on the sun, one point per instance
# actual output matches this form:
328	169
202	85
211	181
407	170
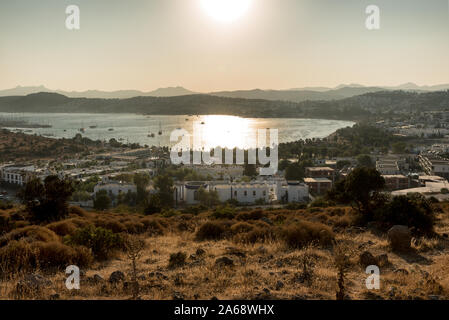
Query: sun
226	10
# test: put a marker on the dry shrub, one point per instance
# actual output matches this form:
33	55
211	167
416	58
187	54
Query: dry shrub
260	224
323	217
62	228
110	224
153	226
58	255
279	219
212	231
30	233
428	244
80	223
134	227
79	212
252	215
343	222
305	232
22	257
336	212
258	234
16	257
177	260
102	242
184	226
241	227
5	222
20	224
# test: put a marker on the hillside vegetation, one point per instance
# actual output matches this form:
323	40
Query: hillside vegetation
226	253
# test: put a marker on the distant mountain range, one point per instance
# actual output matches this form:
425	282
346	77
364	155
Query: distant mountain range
121	94
294	94
358	107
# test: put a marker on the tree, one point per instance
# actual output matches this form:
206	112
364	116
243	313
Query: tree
297	170
364	160
164	186
154	205
208	198
47	201
250	170
141	181
412	210
283	164
399	147
102	201
360	189
343	163
294	172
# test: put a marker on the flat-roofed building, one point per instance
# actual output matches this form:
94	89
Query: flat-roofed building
435	167
266	191
396	182
320	172
387	167
17	174
318	186
116	188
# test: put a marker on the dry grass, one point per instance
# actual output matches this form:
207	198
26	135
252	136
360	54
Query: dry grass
286	255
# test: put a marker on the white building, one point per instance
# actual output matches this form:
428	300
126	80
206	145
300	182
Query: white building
266	191
17	174
435	167
115	188
387	167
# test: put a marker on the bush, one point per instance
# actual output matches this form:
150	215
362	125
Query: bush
319	203
78	211
63	228
5	205
296	206
102	201
177	260
413	211
58	255
211	231
241	227
16	257
103	242
134	227
30	234
194	209
24	257
252	215
111	224
5	223
168	213
226	212
305	233
258	234
153	226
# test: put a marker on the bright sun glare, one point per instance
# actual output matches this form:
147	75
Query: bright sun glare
226	10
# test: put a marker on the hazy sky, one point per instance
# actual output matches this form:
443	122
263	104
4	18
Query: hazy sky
278	44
